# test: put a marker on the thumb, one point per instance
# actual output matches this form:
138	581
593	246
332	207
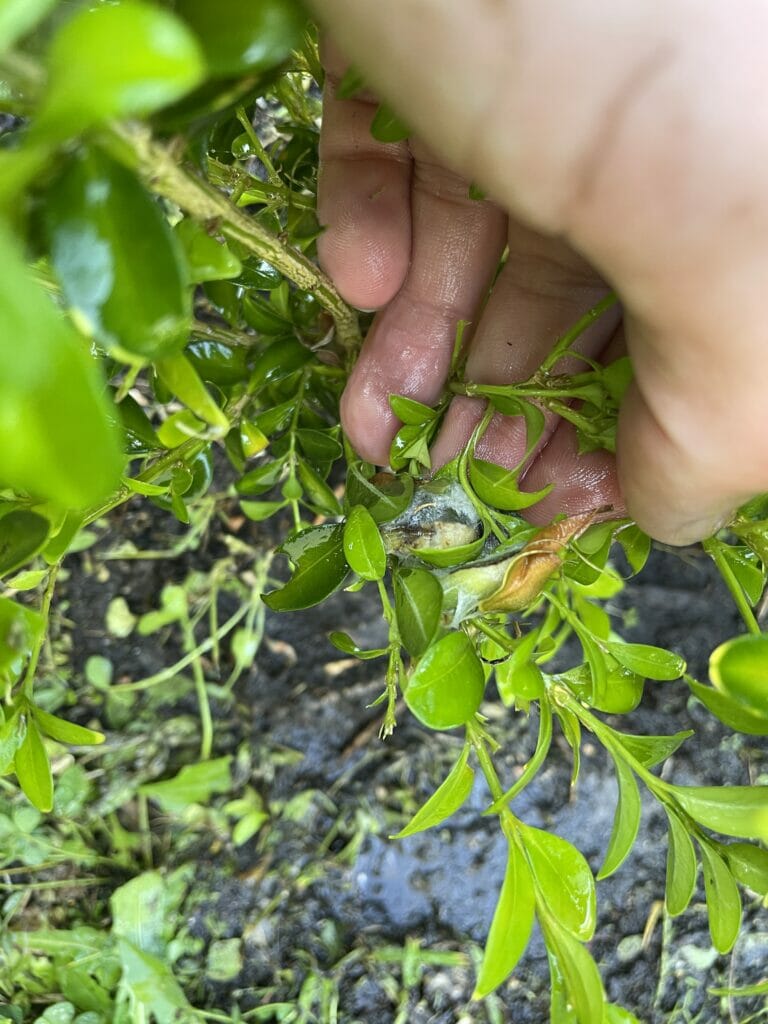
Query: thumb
690	445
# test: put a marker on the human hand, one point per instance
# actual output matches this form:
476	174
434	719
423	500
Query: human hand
622	131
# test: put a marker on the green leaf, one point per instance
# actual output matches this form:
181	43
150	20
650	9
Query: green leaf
497	486
33	769
65	732
363	546
343	642
152	985
277	361
418	605
207	258
385	496
444	558
352	81
618	1015
181	378
12	732
317	493
723	899
56	439
120	267
239	38
519	678
22	534
733	713
511	926
749	865
411	444
446	687
194	784
18	17
571	727
320	568
20	630
410	411
651	750
733	810
160	61
139	912
387	127
649	662
445	801
738	668
626	821
563	880
636	545
261	479
319	445
571	963
258	511
745	568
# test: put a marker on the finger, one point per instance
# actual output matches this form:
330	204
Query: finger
543	289
457	243
363	198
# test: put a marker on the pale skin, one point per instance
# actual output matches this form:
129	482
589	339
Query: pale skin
625	146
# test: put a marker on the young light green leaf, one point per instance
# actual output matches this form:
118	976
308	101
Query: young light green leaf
56	438
363	545
519	678
651	750
626	821
258	511
17	17
734	713
649	662
207	258
636	545
511	926
144	487
578	971
320	568
738	668
618	1015
740	811
446	687
20	630
181	378
33	769
571	727
65	732
387	127
194	784
497	486
445	801
385	496
138	910
411	443
563	881
317	493
22	534
444	558
749	865
410	411
319	446
160	61
152	985
723	899
343	642
12	732
418	604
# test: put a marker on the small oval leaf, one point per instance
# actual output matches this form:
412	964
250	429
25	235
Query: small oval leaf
446	687
320	568
418	604
626	821
22	535
649	662
33	769
363	545
564	880
445	801
723	899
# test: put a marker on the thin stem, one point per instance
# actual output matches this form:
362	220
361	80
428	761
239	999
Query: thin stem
571	335
486	764
714	549
45	612
539	756
204	705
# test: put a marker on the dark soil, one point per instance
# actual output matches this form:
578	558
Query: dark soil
324	892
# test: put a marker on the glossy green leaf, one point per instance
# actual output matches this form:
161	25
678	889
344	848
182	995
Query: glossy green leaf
258	511
734	713
180	427
446	687
317	493
279	360
572	731
636	545
519	678
445	801
746	568
723	899
498	487
320	568
740	811
56	439
385	496
120	268
749	865
738	668
578	971
22	534
411	444
616	377
262	478
194	784
207	258
17	17
626	821
180	377
65	732
649	662
264	316
511	925
144	487
363	546
160	61
410	411
239	38
33	769
12	732
651	750
563	879
418	604
444	558
343	642
318	445
387	127
218	363
20	630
